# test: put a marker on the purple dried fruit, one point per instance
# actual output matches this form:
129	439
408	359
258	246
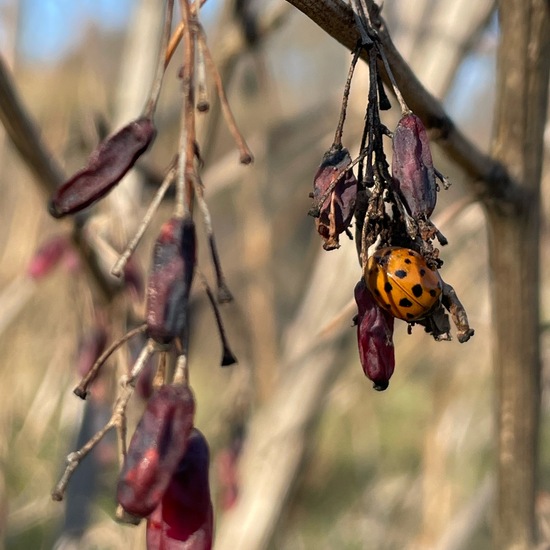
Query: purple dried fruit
106	166
170	280
184	518
156	449
336	211
412	167
374	337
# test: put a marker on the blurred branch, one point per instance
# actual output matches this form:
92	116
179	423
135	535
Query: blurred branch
491	181
278	437
25	136
23	132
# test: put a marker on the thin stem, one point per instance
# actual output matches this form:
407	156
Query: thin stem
186	166
148	350
404	107
246	156
359	21
157	82
181	374
228	358
75	458
160	375
82	389
119	266
224	294
203	102
340	127
175	40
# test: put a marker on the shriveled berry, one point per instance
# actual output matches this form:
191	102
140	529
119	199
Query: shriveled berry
106	166
336	211
184	518
156	449
412	166
375	338
170	279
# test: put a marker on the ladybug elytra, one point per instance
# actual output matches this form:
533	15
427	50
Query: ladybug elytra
402	283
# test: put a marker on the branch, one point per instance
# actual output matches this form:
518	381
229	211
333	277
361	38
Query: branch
25	136
491	182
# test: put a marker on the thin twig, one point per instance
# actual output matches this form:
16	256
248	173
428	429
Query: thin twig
224	294
404	107
175	40
119	266
203	103
82	389
157	82
187	145
181	374
340	127
228	358
246	156
75	458
150	347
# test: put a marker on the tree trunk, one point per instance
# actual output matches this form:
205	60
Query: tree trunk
522	94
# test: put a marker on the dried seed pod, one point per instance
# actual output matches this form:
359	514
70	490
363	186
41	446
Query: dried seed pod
170	279
106	166
184	518
412	166
156	449
336	211
375	338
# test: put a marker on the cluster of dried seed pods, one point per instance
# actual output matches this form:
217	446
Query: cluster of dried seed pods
164	470
394	233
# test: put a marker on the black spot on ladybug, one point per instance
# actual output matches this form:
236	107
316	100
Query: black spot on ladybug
433	293
401	273
388	287
412	253
407	261
405	302
410	315
422	272
417	291
377	292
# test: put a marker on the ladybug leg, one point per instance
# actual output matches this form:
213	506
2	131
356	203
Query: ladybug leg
451	302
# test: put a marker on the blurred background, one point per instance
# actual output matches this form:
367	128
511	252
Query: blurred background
327	462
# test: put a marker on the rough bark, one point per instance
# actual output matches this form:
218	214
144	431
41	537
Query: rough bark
522	95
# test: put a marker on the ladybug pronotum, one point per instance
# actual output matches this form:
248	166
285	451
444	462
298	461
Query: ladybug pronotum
402	283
